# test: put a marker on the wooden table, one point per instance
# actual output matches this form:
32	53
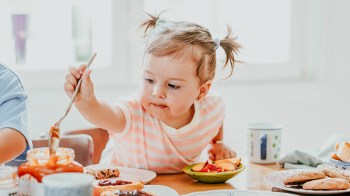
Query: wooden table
252	178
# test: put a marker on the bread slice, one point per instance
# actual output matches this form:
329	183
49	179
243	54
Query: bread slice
343	151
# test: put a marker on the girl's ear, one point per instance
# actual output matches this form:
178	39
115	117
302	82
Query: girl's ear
204	89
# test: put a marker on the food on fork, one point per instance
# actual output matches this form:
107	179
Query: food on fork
327	184
119	185
102	173
301	176
217	166
343	151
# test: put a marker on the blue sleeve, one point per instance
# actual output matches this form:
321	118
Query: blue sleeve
13	105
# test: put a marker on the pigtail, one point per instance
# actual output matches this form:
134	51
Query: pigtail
231	48
150	23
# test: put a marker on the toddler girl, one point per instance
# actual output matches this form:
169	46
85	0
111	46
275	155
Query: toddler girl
172	119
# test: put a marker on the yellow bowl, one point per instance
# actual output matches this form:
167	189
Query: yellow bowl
207	177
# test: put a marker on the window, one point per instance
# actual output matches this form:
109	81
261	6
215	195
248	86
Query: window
43	38
52	34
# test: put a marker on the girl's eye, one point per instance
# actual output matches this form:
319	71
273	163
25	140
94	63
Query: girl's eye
150	81
173	86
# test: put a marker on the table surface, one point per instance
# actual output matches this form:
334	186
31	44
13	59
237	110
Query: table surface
252	178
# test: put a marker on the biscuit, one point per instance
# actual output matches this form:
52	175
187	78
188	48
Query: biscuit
327	184
334	172
302	176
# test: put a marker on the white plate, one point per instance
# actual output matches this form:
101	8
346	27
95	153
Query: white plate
229	192
276	180
128	174
160	190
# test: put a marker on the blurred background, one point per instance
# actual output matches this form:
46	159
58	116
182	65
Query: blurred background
294	69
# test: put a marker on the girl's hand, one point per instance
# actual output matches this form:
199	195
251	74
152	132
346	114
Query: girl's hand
86	92
220	151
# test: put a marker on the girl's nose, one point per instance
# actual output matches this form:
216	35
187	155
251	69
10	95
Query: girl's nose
159	92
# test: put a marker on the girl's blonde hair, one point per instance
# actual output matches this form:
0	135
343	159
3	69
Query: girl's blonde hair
183	39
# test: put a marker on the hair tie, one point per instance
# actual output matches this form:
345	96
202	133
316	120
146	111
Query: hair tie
217	43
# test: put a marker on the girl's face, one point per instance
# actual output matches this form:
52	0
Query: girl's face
170	87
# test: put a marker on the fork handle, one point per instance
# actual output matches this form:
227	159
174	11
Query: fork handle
77	88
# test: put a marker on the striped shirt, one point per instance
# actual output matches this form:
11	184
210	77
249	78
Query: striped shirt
147	143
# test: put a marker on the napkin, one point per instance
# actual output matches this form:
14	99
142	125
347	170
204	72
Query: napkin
300	159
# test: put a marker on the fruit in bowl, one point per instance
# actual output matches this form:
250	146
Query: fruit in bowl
215	172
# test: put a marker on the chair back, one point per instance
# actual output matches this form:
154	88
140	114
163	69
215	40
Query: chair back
81	144
100	138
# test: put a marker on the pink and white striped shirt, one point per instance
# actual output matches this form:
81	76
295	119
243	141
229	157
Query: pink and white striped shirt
147	143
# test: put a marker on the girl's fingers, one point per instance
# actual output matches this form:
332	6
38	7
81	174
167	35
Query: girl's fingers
211	156
82	68
68	88
72	80
75	72
86	76
232	154
228	155
219	156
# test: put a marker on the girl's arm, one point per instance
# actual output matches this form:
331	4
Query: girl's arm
95	111
103	115
219	137
217	149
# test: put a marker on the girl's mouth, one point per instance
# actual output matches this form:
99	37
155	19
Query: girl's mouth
159	106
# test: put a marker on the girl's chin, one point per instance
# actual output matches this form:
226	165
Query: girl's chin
160	115
156	114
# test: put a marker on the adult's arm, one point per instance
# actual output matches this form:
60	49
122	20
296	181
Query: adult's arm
12	144
14	136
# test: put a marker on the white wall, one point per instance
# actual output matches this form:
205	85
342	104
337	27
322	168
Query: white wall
310	109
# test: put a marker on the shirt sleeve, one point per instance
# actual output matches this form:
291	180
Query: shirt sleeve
127	105
13	105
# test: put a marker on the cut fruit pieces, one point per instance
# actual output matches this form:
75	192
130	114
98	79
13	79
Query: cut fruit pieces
235	161
198	167
226	165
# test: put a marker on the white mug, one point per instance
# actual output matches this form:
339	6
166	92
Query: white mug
264	142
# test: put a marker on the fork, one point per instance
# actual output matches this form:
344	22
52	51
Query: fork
54	135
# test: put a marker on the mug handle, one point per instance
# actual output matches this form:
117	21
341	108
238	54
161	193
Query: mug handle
263	146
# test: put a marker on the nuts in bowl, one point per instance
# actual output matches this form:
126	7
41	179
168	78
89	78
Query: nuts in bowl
215	172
